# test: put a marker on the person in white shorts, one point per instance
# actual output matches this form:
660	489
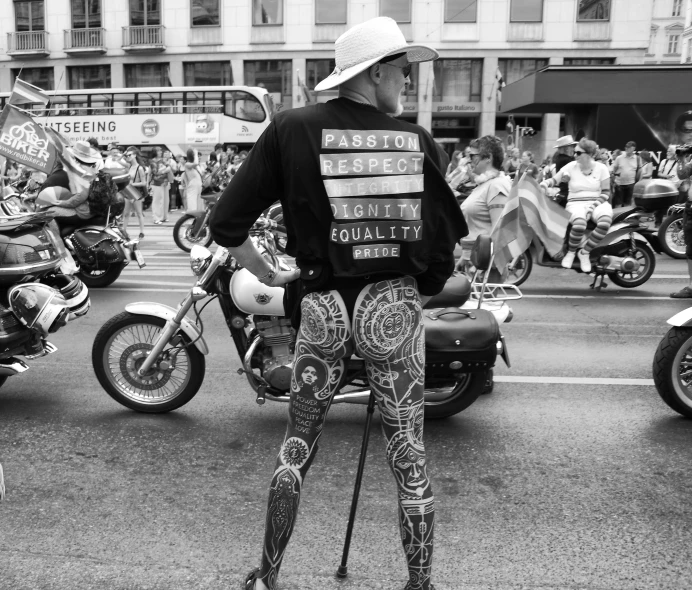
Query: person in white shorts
589	193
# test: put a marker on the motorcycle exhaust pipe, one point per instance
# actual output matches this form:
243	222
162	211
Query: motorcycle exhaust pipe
13	367
626	264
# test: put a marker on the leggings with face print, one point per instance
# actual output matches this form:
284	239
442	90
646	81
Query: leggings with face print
387	332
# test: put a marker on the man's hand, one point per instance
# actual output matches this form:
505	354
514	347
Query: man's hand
286	276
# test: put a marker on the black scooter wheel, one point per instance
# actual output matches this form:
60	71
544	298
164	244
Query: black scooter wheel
647	263
670	370
671	236
97	278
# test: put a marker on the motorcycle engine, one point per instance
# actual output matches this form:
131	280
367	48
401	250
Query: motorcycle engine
275	356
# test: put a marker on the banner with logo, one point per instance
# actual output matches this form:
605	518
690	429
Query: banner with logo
24	141
202	128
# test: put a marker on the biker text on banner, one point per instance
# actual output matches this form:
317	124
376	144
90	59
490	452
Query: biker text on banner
24	141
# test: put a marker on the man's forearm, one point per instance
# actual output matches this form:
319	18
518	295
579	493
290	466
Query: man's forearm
248	256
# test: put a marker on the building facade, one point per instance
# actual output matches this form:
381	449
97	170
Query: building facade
288	46
667	27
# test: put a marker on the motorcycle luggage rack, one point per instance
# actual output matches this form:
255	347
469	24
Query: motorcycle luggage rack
495	292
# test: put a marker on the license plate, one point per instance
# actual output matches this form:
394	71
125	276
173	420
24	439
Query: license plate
139	257
44	254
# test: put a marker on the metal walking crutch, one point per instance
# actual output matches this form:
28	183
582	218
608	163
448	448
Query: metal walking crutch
342	570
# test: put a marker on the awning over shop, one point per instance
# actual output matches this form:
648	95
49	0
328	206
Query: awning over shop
557	88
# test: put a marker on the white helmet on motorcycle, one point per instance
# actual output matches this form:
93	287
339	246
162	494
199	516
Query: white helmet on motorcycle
39	307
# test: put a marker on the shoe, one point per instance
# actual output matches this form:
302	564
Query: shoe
567	260
141	236
584	261
250	579
157	223
684	293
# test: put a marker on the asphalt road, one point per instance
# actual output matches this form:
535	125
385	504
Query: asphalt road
572	474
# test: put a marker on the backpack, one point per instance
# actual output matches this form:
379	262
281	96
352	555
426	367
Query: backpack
102	192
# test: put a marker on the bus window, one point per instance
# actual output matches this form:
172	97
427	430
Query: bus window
78	104
194	102
124	104
148	102
101	104
269	101
170	102
213	102
244	106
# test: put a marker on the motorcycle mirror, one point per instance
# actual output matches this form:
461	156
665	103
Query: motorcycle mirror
482	252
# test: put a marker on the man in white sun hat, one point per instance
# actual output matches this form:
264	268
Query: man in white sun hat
372	225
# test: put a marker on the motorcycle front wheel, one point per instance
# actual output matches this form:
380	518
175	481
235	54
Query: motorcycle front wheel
97	278
647	263
182	234
119	349
444	401
672	370
672	237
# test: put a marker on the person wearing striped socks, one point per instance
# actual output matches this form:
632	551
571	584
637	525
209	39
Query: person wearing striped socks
588	198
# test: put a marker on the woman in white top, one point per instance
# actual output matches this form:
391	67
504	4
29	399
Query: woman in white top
589	192
192	178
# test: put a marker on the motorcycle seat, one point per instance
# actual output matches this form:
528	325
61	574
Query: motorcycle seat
456	292
620	213
211	198
67	227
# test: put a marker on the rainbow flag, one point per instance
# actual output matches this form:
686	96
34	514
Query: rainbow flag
528	213
25	93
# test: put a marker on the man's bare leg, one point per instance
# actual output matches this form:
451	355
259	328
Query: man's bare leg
388	333
322	345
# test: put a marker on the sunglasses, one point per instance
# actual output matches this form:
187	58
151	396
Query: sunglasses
578	152
405	70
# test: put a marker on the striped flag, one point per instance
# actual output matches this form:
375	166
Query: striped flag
25	93
528	213
500	81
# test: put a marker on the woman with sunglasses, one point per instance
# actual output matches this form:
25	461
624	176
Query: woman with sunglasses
589	193
138	179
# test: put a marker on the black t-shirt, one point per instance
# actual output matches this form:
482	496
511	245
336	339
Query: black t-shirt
57	178
362	195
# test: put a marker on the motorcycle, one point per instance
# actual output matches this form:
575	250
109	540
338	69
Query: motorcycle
625	254
37	297
101	247
671	233
193	228
151	357
672	366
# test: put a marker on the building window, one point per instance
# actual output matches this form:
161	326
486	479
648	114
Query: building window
205	13
457	79
274	75
526	11
330	12
86	14
40	77
516	69
147	75
652	42
594	10
83	77
145	12
461	11
596	61
207	73
267	12
29	16
673	44
677	8
399	10
317	70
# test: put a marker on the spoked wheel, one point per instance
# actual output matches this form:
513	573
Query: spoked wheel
185	239
643	254
672	370
95	278
672	236
447	400
119	350
519	269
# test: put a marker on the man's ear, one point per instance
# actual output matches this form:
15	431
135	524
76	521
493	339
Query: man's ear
375	73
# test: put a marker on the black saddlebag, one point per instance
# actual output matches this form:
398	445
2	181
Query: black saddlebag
460	340
96	246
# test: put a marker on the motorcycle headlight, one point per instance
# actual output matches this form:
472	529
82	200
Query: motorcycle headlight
200	258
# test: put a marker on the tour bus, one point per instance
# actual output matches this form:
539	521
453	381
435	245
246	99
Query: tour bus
173	118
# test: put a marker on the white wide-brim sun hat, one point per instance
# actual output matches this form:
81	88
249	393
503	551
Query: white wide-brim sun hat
366	44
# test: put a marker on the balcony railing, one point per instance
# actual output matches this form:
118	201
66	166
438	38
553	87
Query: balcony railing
85	40
27	43
144	38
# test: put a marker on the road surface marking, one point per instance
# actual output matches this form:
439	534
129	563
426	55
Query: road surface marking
571	380
615	297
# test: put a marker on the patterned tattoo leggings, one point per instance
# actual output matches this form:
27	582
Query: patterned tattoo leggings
387	332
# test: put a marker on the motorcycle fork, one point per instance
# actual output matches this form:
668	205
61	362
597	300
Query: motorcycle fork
200	224
170	329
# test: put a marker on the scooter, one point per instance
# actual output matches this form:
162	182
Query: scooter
625	255
671	232
150	358
672	366
192	229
